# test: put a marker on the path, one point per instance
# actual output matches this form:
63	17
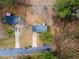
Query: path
17	35
34	39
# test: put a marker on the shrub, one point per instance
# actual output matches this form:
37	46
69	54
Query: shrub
46	37
44	55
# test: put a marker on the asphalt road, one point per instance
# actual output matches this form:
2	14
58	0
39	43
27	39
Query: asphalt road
22	51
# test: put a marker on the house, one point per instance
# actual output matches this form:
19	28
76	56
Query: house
12	20
39	28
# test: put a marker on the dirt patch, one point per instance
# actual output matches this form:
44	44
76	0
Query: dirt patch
26	37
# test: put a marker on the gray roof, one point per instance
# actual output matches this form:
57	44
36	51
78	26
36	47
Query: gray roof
39	28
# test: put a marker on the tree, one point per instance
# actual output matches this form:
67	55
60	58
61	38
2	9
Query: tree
5	3
66	8
8	3
46	37
1	8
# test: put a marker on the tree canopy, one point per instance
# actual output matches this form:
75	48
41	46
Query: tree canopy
7	3
66	8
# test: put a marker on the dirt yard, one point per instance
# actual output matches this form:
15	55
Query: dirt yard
30	15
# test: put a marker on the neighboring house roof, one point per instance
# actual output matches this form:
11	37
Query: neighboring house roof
39	28
12	20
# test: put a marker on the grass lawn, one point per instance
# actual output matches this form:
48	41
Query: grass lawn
7	43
